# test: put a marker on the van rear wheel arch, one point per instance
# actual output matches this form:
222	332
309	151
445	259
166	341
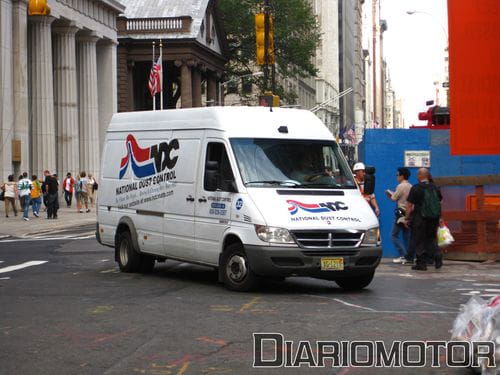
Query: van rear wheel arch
126	225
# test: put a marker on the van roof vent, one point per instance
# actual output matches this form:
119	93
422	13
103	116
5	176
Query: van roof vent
283	129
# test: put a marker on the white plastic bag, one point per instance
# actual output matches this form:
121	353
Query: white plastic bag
480	321
444	236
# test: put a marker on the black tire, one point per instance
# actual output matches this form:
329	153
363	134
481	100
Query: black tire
236	272
355	282
147	263
129	260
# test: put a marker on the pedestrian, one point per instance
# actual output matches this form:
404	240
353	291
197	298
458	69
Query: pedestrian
399	228
36	195
359	177
76	189
51	187
24	187
91	191
68	188
423	215
83	190
10	195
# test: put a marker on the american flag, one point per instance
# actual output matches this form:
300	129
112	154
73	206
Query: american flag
350	134
154	84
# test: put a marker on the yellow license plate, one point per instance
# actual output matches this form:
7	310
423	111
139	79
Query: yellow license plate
332	264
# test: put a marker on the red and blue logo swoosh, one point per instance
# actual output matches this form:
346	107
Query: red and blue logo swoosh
314	208
140	159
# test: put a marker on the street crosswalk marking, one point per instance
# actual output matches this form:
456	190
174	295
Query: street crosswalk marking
22	265
52	237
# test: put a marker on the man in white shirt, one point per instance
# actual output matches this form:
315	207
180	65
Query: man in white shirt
400	196
24	187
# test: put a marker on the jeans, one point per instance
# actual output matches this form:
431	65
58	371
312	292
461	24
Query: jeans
401	246
52	206
37	202
68	197
25	204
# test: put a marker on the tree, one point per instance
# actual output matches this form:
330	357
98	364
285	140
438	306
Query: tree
296	37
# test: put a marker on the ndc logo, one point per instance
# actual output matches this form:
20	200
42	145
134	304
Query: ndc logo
315	208
148	161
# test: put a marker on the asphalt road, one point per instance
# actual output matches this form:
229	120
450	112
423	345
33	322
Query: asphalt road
70	311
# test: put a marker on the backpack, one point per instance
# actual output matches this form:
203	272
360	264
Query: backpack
431	206
79	186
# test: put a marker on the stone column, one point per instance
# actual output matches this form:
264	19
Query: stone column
186	86
196	86
212	89
20	76
88	108
43	130
107	88
65	100
6	89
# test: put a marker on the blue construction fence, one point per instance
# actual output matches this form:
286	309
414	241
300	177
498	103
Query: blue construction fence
385	149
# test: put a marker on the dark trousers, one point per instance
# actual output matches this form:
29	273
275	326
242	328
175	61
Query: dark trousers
52	205
424	239
67	197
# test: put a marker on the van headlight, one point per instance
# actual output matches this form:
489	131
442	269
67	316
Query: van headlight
273	234
371	237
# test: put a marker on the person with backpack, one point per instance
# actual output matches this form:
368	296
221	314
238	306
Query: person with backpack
423	214
24	187
36	195
83	189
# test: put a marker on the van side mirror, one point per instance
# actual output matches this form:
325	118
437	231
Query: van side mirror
211	175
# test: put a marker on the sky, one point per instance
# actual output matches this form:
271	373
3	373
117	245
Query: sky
414	49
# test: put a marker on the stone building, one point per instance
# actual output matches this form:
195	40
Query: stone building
194	53
58	83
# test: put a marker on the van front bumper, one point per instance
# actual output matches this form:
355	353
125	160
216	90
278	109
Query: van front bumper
271	261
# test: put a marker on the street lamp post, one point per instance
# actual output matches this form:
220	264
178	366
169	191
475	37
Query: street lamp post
222	84
445	32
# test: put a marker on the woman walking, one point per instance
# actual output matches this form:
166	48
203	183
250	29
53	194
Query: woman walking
10	194
36	195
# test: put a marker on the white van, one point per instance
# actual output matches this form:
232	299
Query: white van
250	191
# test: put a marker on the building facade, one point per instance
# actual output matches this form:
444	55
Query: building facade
58	84
193	53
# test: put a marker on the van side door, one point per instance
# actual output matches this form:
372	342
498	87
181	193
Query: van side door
215	194
179	202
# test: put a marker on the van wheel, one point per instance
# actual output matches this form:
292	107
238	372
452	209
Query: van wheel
236	272
147	264
129	260
356	282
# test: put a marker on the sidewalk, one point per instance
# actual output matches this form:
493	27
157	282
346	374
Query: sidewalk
15	226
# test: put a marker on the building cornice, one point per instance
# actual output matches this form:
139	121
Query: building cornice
116	5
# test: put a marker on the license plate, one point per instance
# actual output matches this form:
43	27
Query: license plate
332	264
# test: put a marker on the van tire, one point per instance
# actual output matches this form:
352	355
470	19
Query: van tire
147	263
236	273
129	260
356	282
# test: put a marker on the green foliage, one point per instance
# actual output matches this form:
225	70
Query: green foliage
296	37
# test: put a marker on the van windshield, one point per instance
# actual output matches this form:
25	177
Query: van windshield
291	163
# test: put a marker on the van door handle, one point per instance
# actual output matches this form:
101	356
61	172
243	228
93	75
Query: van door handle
190	199
202	200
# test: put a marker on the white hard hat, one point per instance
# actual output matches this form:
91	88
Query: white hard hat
358	167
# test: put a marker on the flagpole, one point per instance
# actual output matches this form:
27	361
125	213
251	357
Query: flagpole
161	75
154	96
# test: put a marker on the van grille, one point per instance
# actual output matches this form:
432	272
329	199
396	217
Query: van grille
327	239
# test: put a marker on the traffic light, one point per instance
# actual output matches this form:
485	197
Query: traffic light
260	38
269	100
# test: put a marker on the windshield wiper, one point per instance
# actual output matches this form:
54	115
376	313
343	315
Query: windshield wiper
336	186
274	182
